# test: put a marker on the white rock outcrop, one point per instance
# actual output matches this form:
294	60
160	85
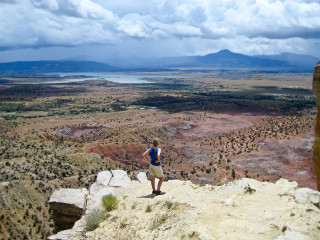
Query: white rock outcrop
119	179
244	209
293	236
104	178
70	196
67	206
99	189
303	195
94	199
142	177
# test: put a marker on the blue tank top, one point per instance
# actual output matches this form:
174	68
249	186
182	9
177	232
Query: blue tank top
153	156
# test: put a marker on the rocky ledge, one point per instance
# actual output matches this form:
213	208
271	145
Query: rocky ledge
244	209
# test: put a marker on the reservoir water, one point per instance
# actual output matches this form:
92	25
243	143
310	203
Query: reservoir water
114	77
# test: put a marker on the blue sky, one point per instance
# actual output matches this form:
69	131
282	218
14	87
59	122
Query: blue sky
104	30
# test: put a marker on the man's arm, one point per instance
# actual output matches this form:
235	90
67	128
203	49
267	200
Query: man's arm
158	155
144	155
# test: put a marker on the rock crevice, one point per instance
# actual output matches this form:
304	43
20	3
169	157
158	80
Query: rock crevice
69	205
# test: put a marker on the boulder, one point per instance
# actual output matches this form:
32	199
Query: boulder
103	178
94	188
304	195
94	199
142	177
119	179
67	207
316	144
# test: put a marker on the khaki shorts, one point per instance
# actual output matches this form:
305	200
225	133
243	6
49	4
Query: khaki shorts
156	171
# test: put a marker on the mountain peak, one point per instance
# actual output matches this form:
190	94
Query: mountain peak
225	51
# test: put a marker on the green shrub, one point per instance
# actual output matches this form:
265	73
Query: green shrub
94	219
157	221
169	204
109	202
134	205
148	209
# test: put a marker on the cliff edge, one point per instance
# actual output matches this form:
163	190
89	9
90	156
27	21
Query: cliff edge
244	209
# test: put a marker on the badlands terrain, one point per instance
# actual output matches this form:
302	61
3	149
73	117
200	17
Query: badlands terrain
214	127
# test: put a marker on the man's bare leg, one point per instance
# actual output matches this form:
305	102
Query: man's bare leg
153	179
160	183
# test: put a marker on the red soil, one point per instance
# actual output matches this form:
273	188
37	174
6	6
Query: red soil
130	154
290	159
212	125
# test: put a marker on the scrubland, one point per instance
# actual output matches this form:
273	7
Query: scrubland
213	126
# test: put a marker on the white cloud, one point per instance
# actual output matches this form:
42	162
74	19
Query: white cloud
77	8
55	22
229	23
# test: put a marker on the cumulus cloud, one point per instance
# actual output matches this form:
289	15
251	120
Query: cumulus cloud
38	23
78	8
54	22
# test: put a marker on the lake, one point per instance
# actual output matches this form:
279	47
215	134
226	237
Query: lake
114	77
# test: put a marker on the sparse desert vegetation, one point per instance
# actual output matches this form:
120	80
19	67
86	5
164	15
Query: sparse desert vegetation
214	127
109	202
94	219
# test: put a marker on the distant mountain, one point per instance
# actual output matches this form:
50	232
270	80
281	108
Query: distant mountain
306	61
55	66
228	59
221	59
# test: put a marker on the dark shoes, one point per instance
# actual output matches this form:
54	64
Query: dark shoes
158	192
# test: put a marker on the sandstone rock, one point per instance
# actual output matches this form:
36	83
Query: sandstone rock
94	188
63	235
119	179
68	206
94	200
264	214
287	183
303	195
293	236
103	178
314	198
316	144
222	212
142	177
75	232
135	182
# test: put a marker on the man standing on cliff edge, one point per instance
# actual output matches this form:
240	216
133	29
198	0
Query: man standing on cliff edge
155	166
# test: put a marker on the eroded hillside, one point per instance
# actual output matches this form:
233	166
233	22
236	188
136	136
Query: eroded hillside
212	129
